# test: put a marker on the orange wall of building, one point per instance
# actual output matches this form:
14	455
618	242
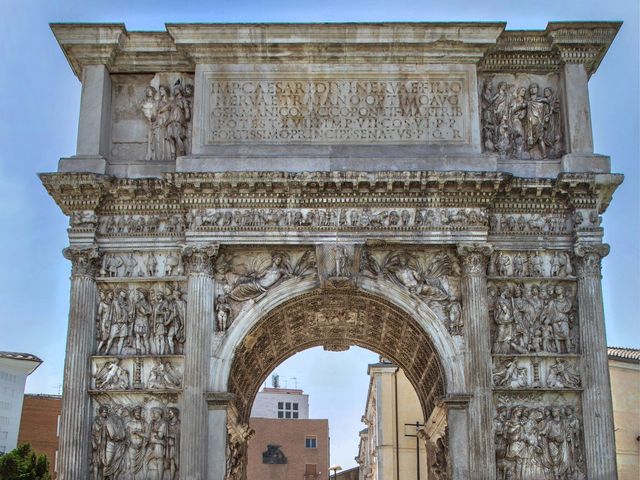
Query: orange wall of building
290	435
39	424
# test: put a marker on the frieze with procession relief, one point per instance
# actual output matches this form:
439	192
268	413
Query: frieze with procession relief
538	436
531	263
367	218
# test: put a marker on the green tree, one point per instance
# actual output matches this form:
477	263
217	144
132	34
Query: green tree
23	464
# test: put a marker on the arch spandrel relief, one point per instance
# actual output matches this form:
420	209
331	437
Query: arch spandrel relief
441	206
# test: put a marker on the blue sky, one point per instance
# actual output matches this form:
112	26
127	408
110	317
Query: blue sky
38	124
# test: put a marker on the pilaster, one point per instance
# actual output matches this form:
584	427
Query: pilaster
597	408
457	408
478	360
198	262
76	416
577	108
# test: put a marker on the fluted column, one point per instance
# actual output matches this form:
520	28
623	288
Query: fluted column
198	261
597	408
75	419
477	336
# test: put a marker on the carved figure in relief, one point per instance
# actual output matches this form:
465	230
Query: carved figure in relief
439	466
537	267
175	331
142	311
120	320
503	317
148	107
108	439
222	313
138	437
161	315
163	376
104	320
111	376
557	313
504	264
455	318
561	265
151	265
157	447
172	265
237	440
172	465
562	375
518	266
130	264
510	374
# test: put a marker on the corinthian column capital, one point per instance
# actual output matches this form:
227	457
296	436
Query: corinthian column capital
85	261
589	258
198	259
475	257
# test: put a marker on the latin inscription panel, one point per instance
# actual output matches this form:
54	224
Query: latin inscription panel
360	108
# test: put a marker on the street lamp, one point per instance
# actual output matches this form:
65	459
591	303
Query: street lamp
335	469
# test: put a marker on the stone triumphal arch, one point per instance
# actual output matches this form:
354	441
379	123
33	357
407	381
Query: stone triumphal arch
243	192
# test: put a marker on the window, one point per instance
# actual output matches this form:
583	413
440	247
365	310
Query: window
310	442
288	410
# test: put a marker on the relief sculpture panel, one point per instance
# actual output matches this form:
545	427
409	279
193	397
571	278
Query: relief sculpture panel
521	116
533	317
136	319
136	438
246	276
538	437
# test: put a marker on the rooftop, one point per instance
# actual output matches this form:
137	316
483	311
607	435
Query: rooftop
20	356
625	354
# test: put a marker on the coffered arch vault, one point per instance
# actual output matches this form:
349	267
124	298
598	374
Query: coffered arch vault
336	319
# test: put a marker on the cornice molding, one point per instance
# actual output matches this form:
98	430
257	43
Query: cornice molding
181	46
77	191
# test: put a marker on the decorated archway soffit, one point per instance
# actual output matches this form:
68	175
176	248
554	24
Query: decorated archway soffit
336	320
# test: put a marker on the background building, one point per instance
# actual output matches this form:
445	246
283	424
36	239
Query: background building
624	370
287	445
14	369
40	425
389	447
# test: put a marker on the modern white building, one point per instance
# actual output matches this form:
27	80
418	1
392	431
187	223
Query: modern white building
14	370
281	403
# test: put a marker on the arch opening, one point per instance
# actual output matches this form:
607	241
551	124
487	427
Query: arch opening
336	320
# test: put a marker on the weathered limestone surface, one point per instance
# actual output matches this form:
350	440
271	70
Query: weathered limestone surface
75	421
243	192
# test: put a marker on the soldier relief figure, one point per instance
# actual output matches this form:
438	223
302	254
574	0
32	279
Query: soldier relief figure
168	114
521	122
